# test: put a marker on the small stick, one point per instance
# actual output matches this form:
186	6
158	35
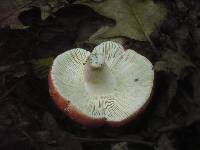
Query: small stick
135	141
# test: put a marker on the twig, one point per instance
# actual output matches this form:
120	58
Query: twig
9	67
135	141
170	128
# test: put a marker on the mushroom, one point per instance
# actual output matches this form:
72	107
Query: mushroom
107	86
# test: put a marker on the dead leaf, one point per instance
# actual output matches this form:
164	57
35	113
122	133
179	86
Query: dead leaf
10	10
120	146
135	19
173	62
50	6
45	12
165	143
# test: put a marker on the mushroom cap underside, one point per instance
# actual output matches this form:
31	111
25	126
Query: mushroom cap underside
114	101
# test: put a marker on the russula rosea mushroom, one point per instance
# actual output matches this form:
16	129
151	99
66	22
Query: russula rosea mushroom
107	86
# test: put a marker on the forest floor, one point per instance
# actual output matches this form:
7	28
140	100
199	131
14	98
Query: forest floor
30	121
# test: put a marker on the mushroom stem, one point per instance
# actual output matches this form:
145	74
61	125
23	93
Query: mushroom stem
94	68
98	77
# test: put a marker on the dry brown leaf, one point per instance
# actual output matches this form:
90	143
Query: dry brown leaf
135	19
10	9
174	62
165	143
120	146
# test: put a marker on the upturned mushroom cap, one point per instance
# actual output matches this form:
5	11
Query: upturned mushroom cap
108	86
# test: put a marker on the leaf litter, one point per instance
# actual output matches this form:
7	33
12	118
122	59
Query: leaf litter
30	120
10	10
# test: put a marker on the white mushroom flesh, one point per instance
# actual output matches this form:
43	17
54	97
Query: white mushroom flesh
108	83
